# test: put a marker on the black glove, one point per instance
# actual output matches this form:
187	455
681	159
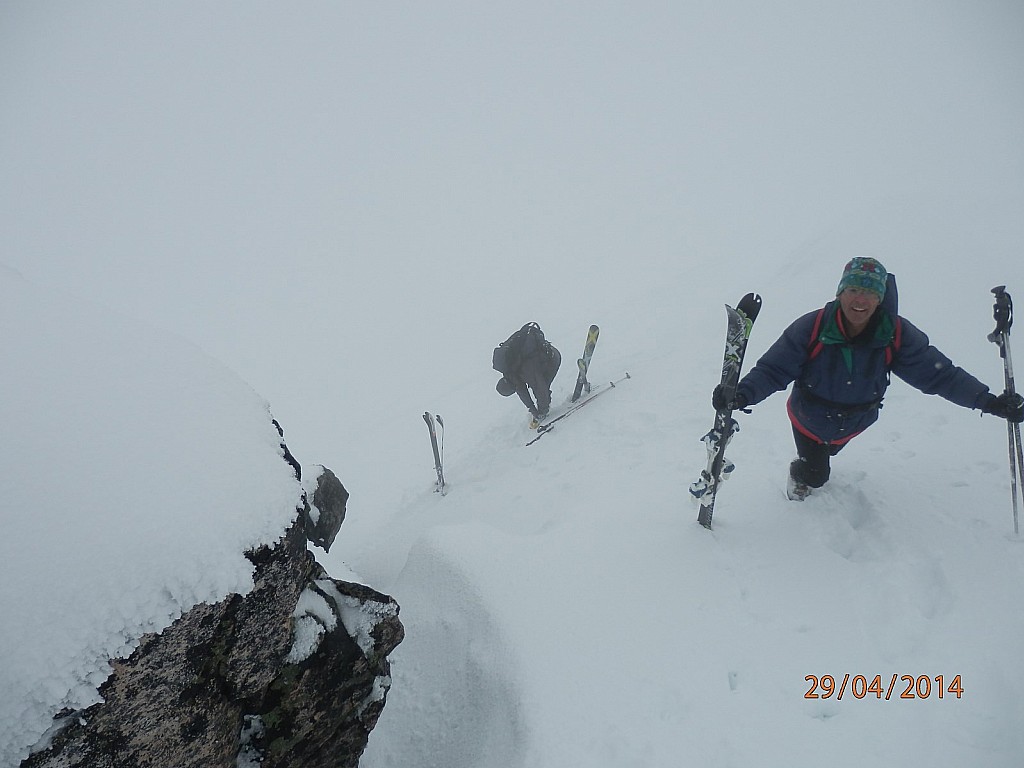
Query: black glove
1009	406
719	402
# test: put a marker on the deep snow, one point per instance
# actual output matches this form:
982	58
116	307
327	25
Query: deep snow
588	620
350	206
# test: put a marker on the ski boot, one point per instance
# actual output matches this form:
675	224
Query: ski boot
796	490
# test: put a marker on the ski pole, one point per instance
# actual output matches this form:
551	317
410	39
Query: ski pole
1002	312
543	429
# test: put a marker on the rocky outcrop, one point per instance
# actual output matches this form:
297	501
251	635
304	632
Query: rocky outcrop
325	507
294	673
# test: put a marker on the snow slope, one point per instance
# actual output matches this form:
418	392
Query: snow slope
563	607
561	603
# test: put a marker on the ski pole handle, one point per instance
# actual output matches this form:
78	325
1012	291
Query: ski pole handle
1002	312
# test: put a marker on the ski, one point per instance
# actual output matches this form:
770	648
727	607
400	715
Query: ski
705	489
439	486
582	385
596	392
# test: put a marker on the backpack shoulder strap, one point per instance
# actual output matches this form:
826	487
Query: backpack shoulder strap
814	346
897	341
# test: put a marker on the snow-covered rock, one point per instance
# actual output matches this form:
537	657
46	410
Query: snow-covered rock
194	694
153	557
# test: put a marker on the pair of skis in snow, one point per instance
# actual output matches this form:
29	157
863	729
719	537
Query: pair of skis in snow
582	394
433	422
582	384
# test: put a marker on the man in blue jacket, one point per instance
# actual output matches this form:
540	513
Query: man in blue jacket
840	357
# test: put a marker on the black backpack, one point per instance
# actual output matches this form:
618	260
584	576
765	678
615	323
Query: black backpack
527	341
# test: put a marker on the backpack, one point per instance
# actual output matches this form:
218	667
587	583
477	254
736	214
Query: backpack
525	342
890	304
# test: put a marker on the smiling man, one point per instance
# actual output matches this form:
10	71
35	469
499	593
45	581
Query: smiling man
841	357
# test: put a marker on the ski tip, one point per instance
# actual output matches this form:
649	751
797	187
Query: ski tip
750	305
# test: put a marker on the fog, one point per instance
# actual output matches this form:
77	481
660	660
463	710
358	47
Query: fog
331	198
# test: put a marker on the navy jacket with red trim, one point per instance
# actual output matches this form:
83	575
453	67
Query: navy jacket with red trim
840	387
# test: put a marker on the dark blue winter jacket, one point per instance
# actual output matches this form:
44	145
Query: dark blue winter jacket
840	383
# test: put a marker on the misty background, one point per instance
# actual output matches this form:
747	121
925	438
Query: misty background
341	200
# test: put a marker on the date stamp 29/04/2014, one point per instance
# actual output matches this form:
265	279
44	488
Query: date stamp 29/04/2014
895	687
